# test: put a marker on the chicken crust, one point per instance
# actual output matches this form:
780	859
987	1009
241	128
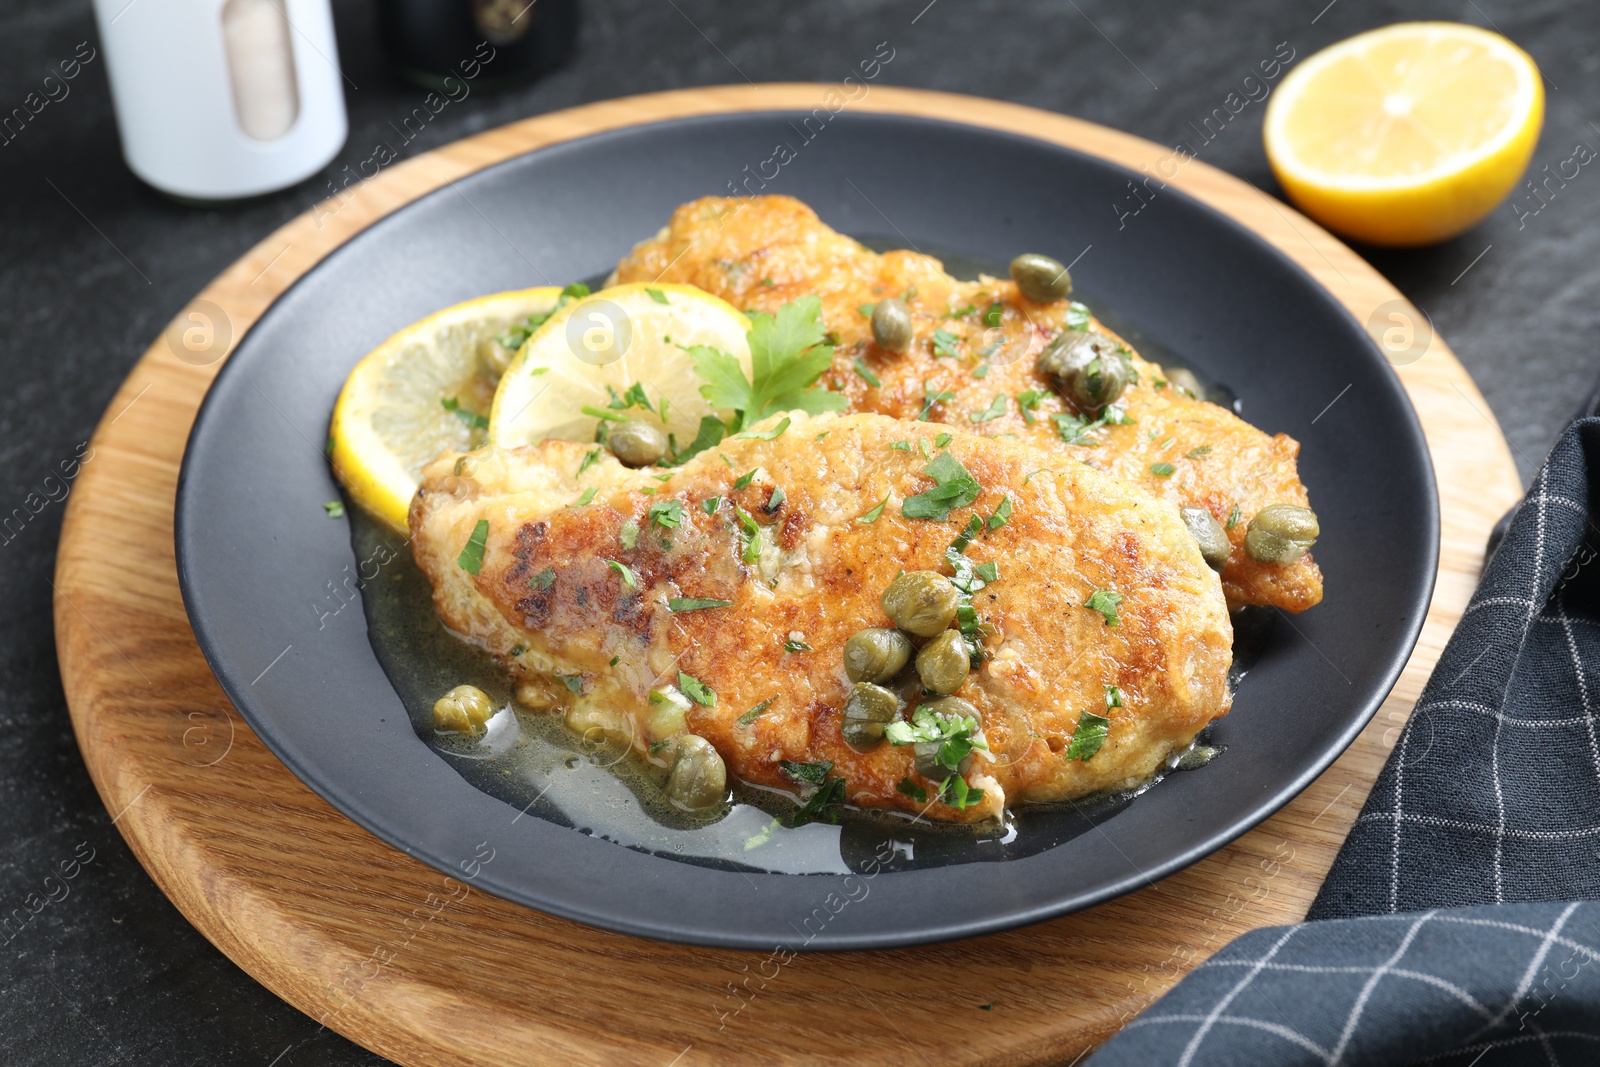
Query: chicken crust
762	252
548	601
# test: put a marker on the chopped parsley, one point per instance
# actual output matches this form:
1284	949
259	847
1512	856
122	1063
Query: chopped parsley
603	413
544	579
752	535
1028	400
768	435
471	418
688	603
657	295
697	691
930	397
955	792
710	434
944	344
589	460
807	773
968	580
1075	429
942	440
471	558
953	487
744	479
1002	514
667	514
573	682
900	446
710	504
518	650
991	315
912	790
981	371
775	501
787	355
588	495
996	408
866	374
657	746
334	509
827	797
754	713
628	535
629	580
1163	470
867	310
1106	602
1196	453
516	335
1077	316
1233	517
1088	736
873	515
792	645
1113	696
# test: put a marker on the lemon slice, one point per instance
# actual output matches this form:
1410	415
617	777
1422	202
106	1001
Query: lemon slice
621	351
424	390
1406	135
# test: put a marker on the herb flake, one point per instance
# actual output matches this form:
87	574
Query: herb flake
471	558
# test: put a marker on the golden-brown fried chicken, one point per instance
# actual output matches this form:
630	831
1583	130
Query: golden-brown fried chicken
973	365
584	561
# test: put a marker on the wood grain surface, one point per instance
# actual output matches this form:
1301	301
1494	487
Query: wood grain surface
422	968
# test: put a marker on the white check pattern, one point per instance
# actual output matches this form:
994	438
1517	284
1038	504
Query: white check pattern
1459	924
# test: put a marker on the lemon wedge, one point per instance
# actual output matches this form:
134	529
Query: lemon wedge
426	389
1405	135
620	353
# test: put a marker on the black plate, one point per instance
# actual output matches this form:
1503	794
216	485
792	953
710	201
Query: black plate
256	554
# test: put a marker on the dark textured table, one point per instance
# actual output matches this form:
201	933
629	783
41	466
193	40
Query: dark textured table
94	264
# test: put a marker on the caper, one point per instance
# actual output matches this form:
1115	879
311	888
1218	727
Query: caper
1040	278
944	662
920	602
876	655
954	707
891	325
699	777
636	443
1208	534
869	709
1185	381
1088	368
1281	533
463	709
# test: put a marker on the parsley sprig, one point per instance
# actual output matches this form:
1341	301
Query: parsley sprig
954	487
788	354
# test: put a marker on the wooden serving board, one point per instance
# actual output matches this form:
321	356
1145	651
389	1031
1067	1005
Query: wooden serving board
422	969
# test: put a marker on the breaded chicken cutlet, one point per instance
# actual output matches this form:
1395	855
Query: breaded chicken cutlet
972	364
729	596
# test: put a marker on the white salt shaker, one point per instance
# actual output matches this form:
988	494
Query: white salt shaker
222	99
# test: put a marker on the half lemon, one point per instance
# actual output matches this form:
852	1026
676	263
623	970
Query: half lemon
620	353
1406	135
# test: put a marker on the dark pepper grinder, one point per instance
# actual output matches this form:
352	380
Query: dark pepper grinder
502	41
